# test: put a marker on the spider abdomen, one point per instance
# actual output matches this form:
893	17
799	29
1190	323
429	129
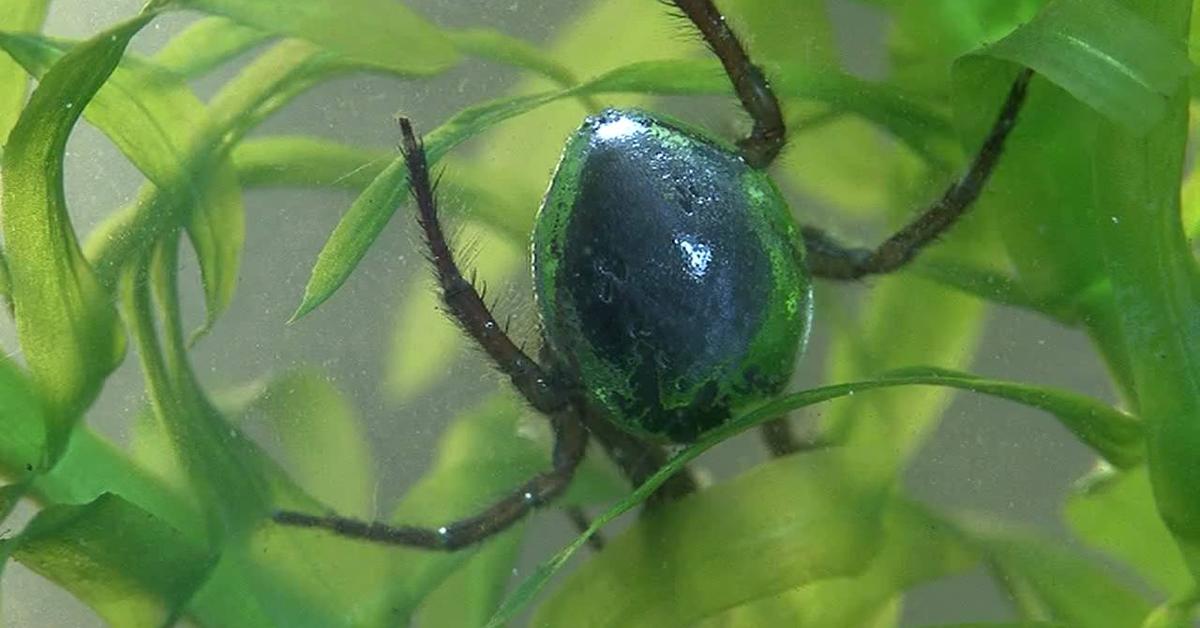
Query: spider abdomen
669	275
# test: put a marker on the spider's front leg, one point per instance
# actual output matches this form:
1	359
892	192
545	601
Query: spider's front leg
829	259
767	137
464	303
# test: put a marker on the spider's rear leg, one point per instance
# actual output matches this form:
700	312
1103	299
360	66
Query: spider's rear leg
570	442
767	137
464	303
637	459
832	260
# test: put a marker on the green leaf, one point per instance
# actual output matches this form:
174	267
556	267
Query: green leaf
1094	196
92	466
805	516
1117	514
206	44
23	439
1004	624
272	575
378	33
65	319
321	436
307	162
1116	436
132	568
1158	295
264	86
1050	582
154	119
20	16
232	476
1177	612
766	412
496	46
1105	55
918	547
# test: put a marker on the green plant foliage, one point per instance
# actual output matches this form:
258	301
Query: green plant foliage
1087	222
1048	582
917	546
376	32
1115	513
1065	406
22	15
206	44
127	585
152	117
68	328
822	527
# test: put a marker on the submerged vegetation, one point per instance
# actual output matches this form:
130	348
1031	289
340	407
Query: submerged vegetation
1087	222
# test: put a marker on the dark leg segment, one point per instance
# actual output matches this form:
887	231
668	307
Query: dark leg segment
831	260
464	303
582	522
769	133
779	438
637	459
570	442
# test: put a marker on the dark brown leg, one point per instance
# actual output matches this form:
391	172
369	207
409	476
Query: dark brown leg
464	303
637	459
829	259
570	441
582	522
779	438
752	88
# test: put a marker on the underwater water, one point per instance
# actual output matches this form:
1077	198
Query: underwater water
373	404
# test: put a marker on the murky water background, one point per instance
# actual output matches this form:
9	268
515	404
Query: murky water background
987	454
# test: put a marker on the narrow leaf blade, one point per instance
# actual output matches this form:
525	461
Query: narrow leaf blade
384	34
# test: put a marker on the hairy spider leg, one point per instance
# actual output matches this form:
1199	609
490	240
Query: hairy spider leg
767	137
464	303
831	260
